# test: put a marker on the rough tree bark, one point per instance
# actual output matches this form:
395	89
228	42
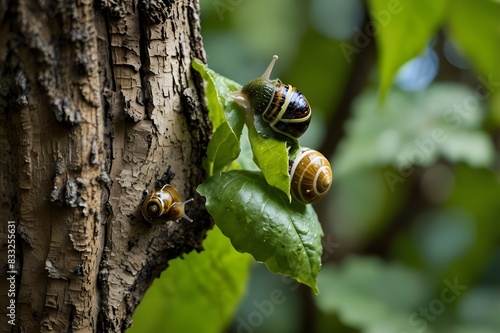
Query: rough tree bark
98	105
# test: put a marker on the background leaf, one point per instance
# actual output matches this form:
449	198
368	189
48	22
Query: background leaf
480	44
415	129
259	220
211	282
373	296
406	25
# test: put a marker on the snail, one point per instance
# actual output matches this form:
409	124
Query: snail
164	205
282	106
311	176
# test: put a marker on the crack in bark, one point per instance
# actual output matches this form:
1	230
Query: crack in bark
144	70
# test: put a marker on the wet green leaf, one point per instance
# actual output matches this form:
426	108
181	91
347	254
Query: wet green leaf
259	220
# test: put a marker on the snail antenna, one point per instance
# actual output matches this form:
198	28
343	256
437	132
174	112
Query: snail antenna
267	73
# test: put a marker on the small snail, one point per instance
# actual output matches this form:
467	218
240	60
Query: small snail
282	106
164	205
311	176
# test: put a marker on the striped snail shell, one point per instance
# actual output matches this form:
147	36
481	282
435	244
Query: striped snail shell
282	106
164	205
311	176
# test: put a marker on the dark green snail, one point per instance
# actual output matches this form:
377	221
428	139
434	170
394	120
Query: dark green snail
311	176
282	106
164	205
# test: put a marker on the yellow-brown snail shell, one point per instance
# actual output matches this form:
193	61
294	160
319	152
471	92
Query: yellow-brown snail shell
311	176
164	205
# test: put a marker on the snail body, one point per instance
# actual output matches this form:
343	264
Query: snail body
311	176
164	205
282	106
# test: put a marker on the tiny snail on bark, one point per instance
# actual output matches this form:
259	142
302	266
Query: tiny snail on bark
311	176
282	106
164	205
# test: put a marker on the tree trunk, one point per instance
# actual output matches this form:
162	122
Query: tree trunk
98	106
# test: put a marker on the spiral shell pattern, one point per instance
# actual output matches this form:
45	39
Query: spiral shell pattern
164	205
311	176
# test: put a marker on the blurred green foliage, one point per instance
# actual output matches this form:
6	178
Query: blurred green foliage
412	239
209	285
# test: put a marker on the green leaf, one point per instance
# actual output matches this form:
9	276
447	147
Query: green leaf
403	30
259	220
373	296
415	129
271	156
235	117
215	110
206	285
227	120
245	159
475	26
216	89
223	149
